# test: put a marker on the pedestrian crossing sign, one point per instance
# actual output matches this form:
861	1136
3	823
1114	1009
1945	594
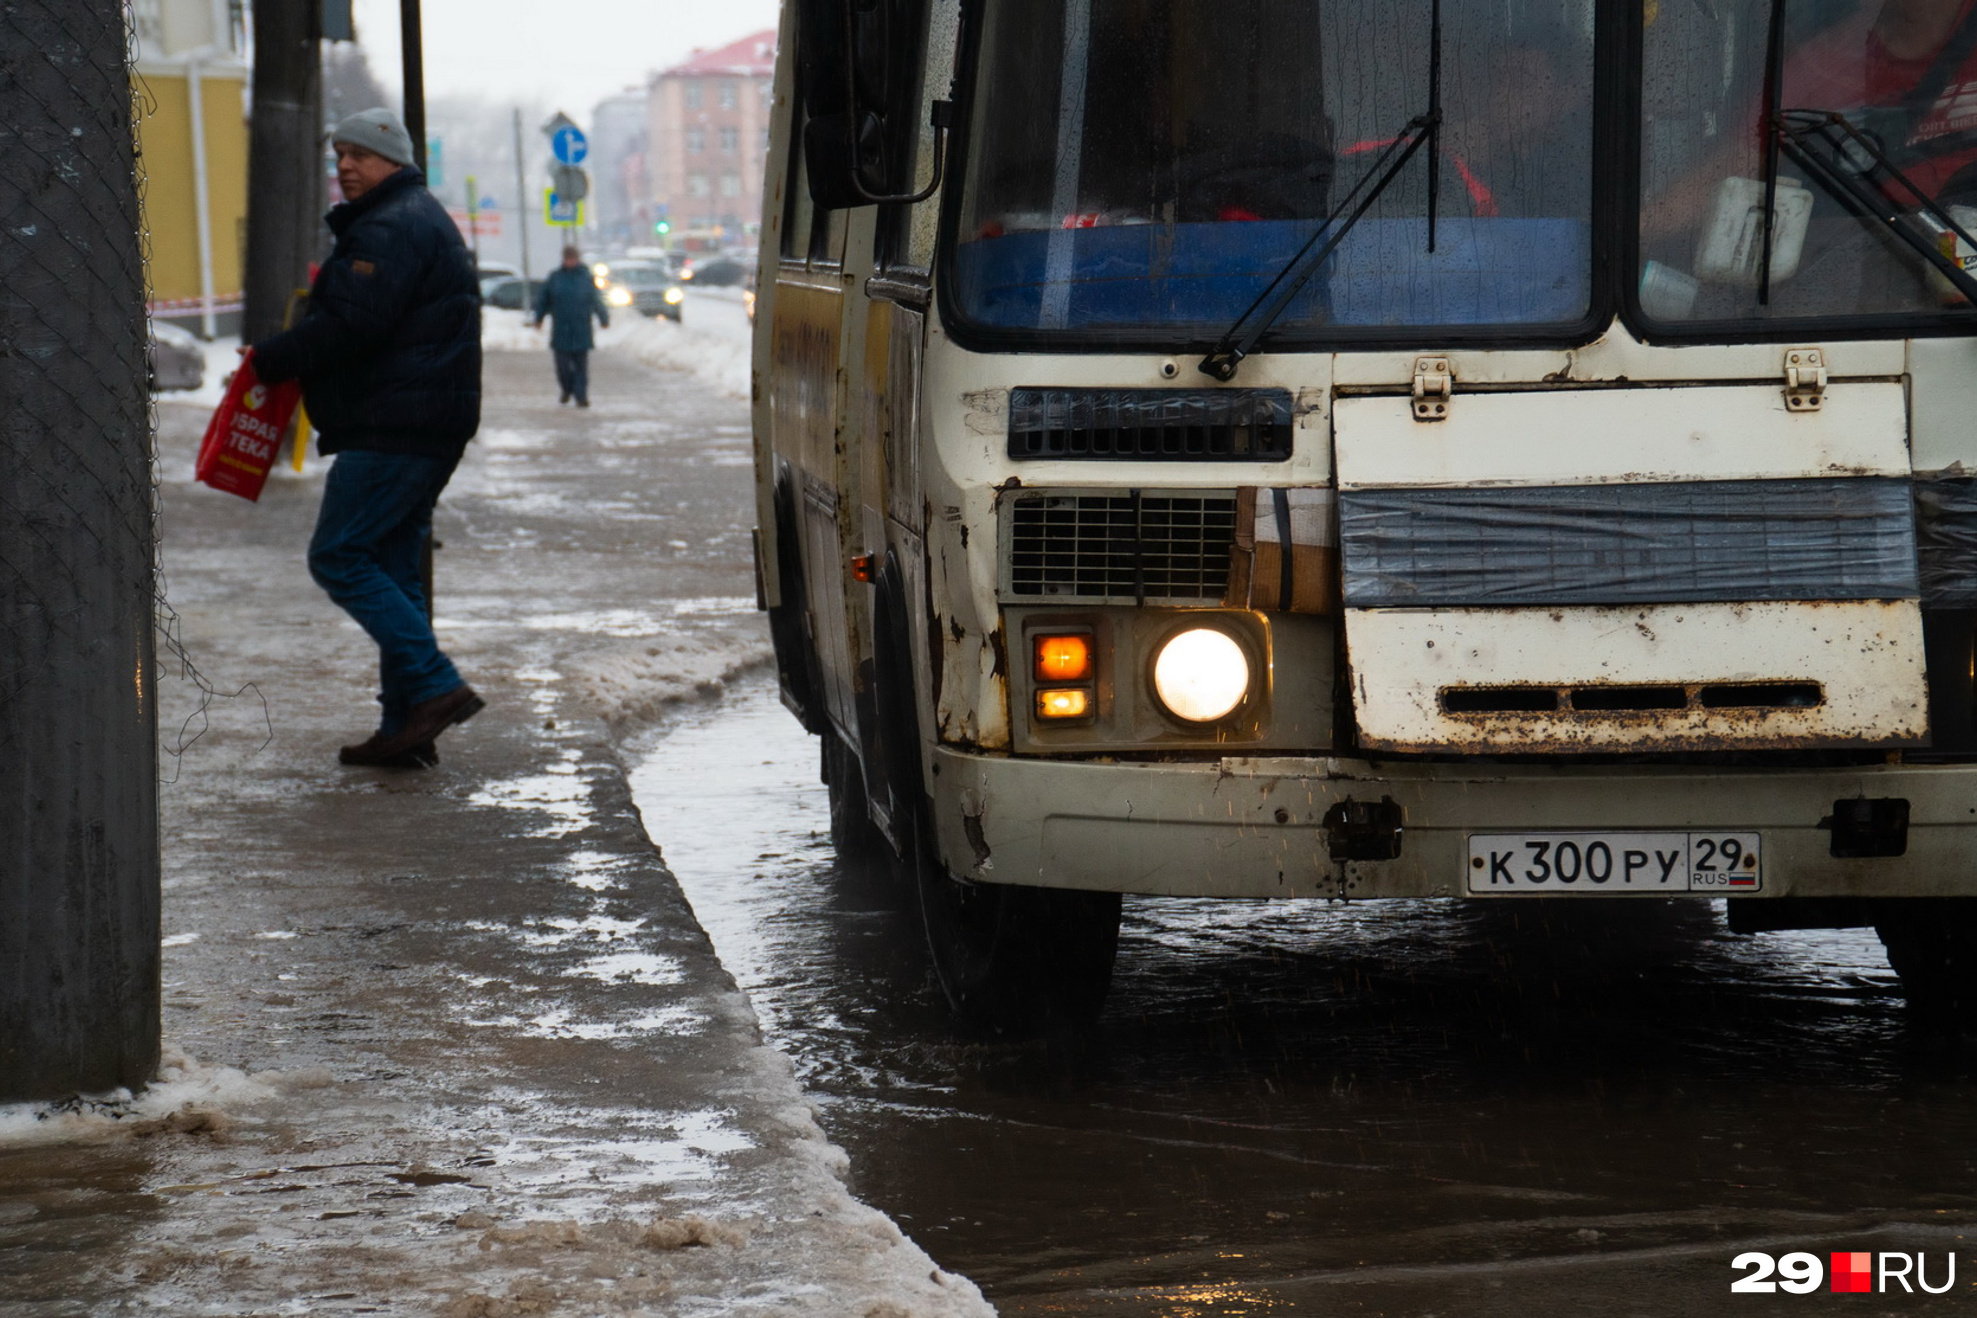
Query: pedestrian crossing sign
557	210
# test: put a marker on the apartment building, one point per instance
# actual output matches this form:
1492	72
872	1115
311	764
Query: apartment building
707	136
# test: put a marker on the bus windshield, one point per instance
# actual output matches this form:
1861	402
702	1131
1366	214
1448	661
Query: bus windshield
1144	168
1895	81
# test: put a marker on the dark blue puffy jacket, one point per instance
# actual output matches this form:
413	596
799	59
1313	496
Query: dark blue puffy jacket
389	352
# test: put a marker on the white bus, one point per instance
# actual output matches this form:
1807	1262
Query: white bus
1362	449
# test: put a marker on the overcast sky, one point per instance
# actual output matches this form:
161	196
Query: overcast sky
570	53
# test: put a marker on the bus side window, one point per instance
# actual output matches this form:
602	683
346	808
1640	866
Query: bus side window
905	239
798	212
809	235
827	238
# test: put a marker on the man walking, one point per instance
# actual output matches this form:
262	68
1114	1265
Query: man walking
390	362
570	298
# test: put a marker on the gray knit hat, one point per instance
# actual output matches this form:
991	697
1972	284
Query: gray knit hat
378	131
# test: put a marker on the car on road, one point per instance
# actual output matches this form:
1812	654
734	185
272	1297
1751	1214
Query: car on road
486	270
647	287
509	292
722	272
174	358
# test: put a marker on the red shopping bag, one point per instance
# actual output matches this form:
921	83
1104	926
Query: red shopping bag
245	433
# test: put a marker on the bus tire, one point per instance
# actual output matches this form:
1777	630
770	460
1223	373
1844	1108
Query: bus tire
1016	961
856	838
1011	960
1932	946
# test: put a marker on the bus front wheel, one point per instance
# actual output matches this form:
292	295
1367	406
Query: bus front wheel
1932	946
1016	960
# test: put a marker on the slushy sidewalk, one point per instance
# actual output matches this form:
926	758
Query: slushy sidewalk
452	1042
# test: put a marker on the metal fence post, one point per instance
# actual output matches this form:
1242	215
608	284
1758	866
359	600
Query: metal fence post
79	870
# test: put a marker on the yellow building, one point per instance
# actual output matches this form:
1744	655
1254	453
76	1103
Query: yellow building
191	85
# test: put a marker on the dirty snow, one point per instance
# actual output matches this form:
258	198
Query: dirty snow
187	1097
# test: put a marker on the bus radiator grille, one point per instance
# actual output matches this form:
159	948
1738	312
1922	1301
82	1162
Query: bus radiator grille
1123	547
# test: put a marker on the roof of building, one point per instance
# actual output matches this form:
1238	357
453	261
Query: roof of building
754	55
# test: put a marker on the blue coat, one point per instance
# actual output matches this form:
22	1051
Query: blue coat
570	297
389	351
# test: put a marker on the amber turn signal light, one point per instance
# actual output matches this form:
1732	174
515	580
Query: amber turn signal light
1063	658
1063	702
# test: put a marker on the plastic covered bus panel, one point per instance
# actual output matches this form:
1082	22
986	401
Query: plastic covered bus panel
1670	541
1946	540
1485	559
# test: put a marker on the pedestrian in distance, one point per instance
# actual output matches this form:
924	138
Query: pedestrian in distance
570	297
389	358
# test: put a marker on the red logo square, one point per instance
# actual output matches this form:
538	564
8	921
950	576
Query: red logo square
1853	1272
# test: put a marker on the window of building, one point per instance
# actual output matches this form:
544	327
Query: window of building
691	92
730	96
730	185
696	185
696	140
730	140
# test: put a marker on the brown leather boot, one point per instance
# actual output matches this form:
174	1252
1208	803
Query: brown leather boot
427	719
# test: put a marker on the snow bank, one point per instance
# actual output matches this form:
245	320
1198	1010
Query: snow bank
637	681
186	1098
718	359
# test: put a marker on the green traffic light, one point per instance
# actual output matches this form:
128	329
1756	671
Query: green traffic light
663	226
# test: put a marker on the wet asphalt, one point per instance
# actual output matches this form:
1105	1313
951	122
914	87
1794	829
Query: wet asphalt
1406	1108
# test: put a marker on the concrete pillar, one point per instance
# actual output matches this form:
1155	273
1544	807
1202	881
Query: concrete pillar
78	719
284	161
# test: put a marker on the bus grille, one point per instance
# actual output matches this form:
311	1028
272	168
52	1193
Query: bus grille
1152	548
1150	425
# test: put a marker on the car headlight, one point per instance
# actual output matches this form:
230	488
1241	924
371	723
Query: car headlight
675	296
1201	674
619	297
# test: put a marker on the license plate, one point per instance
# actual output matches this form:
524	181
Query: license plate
1504	863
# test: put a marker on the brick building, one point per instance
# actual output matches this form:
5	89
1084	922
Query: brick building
707	136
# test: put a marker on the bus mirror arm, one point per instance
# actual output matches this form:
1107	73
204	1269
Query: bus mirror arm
941	119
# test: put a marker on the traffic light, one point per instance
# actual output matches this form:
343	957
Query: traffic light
663	227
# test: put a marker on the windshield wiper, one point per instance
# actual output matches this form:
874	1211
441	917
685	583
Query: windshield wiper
1828	148
1805	134
1236	344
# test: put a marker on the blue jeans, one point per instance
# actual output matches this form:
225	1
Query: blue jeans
573	374
369	552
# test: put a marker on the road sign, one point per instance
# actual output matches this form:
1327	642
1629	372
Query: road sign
567	212
435	164
569	145
570	181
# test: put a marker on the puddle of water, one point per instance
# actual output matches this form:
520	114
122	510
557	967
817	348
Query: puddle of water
1416	1099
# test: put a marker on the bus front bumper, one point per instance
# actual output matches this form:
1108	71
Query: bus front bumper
1257	827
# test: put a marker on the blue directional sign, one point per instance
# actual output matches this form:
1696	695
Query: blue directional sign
569	145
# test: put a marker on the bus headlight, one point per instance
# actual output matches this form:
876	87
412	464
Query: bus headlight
1201	674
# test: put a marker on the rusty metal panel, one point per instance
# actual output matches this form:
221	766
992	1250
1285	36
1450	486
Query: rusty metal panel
1453	680
1598	436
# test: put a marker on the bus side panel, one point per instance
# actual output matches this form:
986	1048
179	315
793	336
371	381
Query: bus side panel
804	371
